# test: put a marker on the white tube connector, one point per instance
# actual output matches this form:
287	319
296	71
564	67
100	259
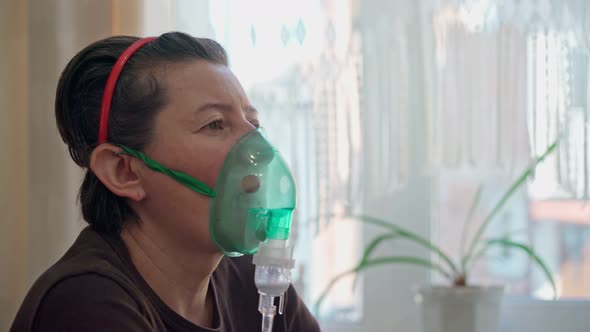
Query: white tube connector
272	277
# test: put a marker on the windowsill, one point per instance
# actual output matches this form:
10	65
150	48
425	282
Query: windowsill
526	315
519	314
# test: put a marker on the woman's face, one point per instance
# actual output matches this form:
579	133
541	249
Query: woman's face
207	111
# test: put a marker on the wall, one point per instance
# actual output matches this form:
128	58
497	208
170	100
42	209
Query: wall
14	157
38	180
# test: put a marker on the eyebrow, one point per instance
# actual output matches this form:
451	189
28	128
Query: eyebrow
225	107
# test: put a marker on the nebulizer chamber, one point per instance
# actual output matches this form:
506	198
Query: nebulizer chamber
252	213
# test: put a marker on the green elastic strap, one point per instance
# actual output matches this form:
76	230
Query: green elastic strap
182	178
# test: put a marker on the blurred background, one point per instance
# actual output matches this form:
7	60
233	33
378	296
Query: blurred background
396	109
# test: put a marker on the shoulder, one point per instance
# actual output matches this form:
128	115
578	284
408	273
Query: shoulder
88	288
90	275
88	302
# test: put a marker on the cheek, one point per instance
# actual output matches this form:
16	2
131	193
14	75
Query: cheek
202	161
203	164
200	156
206	171
179	212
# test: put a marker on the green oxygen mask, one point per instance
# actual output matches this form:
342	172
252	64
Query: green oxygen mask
253	199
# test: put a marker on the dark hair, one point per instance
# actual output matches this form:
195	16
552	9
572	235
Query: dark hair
137	99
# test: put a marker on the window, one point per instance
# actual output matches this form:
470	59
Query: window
514	103
401	110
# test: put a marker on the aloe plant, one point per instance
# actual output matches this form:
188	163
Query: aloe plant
455	272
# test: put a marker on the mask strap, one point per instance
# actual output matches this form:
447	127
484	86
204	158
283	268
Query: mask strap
182	178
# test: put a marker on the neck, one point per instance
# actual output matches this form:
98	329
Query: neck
172	273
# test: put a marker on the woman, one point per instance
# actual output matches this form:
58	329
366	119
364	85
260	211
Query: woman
147	261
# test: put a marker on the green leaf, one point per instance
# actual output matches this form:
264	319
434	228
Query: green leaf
531	253
507	195
467	224
378	262
369	250
482	250
408	235
373	245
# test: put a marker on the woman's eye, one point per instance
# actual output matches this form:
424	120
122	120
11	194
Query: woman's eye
215	125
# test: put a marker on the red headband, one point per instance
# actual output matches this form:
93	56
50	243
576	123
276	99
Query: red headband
109	89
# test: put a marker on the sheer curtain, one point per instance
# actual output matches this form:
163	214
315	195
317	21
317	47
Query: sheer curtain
510	77
402	110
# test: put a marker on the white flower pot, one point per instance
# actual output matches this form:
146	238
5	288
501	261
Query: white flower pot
460	309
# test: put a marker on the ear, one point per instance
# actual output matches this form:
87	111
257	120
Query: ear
118	172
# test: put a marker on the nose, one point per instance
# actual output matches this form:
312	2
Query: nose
255	150
242	125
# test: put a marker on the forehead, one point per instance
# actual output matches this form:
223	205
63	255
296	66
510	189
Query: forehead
202	81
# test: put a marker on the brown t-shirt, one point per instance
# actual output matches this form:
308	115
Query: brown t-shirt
95	287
